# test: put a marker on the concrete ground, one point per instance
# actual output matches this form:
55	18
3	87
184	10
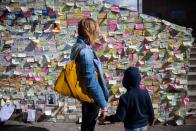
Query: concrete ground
49	126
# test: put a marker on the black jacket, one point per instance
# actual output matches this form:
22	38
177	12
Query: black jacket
135	107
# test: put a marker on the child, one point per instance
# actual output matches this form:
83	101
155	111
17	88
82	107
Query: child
135	108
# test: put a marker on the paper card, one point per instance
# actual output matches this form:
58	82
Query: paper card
80	3
48	112
179	86
61	17
37	69
6	111
148	25
38	78
135	42
180	56
124	13
138	32
112	82
113	16
85	8
72	108
70	3
27	27
51	99
115	9
148	39
180	122
51	82
34	18
16	61
18	73
77	10
60	117
139	26
10	8
87	14
31	115
74	16
126	35
112	27
29	82
9	42
113	21
70	28
154	50
2	28
182	81
30	59
122	90
172	102
27	69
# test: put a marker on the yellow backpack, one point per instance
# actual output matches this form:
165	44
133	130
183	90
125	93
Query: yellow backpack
69	83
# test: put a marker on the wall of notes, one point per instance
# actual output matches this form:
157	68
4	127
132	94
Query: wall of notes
36	37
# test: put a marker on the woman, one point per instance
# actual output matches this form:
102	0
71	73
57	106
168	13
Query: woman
90	66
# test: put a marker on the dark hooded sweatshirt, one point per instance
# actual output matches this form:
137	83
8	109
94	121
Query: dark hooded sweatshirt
135	107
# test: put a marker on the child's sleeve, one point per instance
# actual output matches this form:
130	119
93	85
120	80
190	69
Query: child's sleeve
120	112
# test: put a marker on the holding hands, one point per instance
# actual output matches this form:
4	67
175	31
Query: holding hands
102	117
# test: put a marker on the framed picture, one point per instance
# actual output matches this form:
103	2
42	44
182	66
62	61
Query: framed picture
51	99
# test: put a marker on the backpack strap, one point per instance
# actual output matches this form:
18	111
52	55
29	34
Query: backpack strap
77	52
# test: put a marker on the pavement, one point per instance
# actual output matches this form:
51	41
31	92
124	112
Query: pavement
50	126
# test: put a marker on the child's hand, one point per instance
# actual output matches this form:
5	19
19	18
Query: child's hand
102	117
101	121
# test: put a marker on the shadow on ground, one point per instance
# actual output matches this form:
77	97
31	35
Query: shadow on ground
21	128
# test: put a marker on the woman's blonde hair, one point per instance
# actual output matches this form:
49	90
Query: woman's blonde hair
89	29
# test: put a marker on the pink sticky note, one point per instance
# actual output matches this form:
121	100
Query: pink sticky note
118	44
139	26
28	69
45	70
126	35
115	9
72	22
98	47
30	78
164	108
113	21
87	14
138	64
112	27
38	78
148	88
108	78
172	86
185	101
130	57
120	51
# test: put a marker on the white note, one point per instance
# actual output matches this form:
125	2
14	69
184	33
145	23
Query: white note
6	112
31	116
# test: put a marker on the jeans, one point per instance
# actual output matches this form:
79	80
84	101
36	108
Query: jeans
138	129
90	112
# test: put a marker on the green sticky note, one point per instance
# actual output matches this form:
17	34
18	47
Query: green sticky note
113	16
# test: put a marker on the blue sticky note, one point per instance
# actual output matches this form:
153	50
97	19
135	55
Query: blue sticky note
44	12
